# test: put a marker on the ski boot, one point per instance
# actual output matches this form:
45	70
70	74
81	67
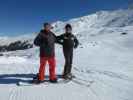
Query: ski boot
36	80
53	81
68	76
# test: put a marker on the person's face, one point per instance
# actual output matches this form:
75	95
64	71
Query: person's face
68	30
47	27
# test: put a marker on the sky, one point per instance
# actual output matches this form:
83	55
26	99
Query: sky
19	17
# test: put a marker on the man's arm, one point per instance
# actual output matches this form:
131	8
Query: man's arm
60	39
76	42
37	40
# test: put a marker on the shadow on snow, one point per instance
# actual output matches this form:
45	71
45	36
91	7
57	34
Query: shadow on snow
15	78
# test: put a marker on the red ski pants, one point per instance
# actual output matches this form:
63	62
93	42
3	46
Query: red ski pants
52	63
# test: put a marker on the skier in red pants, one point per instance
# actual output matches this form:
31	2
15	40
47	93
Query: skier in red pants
46	41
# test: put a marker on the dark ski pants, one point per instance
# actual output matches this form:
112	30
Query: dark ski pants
68	55
52	65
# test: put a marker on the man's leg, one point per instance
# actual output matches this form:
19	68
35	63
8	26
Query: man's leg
66	67
70	63
52	66
43	61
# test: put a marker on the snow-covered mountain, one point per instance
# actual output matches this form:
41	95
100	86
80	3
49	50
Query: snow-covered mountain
97	23
16	43
104	57
116	18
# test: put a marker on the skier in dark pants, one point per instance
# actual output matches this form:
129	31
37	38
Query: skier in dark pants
69	42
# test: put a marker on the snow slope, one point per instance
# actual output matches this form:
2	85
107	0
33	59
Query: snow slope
116	18
104	56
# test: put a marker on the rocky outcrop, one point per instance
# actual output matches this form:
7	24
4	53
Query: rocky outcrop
17	45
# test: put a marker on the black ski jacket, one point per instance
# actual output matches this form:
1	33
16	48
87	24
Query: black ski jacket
69	41
46	41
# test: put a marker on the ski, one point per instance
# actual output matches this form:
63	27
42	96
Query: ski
29	83
46	82
74	79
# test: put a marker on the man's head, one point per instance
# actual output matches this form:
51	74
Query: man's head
47	26
68	28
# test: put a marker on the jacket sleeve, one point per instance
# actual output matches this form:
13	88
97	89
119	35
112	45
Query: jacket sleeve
76	42
60	39
55	37
38	40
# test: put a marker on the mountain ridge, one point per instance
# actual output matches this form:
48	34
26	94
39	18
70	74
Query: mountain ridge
90	25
